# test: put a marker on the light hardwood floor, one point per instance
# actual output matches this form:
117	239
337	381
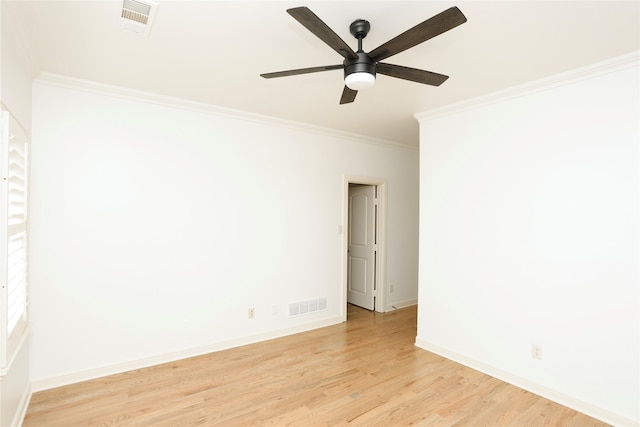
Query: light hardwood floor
365	372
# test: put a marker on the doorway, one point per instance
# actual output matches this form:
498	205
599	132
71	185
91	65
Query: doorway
364	243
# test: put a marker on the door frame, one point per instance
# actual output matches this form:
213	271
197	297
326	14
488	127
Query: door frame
381	260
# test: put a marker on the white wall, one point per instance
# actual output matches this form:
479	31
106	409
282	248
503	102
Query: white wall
155	227
17	70
529	235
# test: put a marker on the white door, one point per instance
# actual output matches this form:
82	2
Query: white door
361	274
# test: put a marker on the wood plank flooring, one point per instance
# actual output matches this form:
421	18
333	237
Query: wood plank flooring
365	372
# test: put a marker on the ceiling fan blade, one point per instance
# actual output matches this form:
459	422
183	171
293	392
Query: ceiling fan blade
321	30
430	28
348	95
302	71
413	74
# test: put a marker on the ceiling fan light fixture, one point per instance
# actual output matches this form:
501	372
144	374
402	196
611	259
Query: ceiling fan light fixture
359	72
359	81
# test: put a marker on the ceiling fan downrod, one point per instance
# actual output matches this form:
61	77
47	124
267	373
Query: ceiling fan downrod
359	29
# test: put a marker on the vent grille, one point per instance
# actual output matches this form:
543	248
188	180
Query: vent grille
137	15
310	306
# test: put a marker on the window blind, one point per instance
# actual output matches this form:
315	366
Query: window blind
13	237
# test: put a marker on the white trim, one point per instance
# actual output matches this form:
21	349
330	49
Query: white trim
24	335
23	406
57	80
561	398
563	79
4	238
401	304
76	377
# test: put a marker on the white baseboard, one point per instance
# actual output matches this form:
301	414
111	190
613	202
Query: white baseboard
76	377
563	399
22	408
400	304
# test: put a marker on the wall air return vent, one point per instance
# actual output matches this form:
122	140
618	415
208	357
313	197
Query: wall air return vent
305	307
137	16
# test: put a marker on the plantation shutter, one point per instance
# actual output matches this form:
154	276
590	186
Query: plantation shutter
13	237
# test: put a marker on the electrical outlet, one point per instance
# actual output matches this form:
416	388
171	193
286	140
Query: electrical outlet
391	288
252	313
536	351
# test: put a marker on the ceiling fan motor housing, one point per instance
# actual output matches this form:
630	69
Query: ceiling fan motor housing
362	64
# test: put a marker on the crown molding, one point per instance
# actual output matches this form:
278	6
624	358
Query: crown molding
618	63
72	83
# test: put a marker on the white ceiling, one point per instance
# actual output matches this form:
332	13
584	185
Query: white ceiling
214	51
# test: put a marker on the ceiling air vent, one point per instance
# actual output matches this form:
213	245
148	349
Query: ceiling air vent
137	16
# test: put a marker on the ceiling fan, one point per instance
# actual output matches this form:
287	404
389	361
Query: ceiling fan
360	68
